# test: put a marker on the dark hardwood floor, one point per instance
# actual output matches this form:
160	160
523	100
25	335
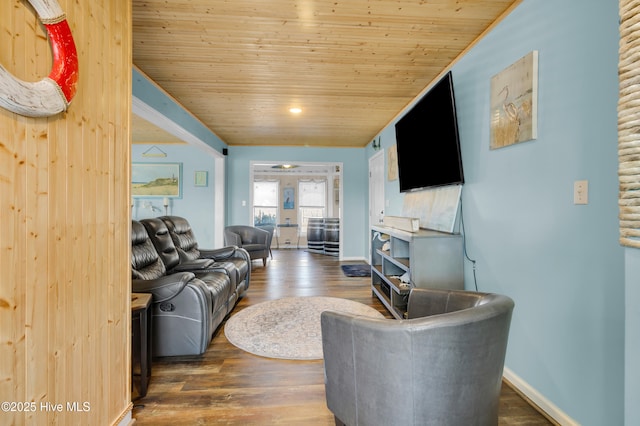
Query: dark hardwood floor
229	386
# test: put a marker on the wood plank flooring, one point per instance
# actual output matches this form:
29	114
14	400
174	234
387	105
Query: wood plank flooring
229	386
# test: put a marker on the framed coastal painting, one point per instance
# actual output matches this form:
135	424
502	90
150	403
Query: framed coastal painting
514	103
156	180
392	163
288	203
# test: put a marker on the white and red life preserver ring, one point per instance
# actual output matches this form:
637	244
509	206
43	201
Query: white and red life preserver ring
52	94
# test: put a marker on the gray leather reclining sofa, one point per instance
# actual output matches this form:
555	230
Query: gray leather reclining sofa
190	298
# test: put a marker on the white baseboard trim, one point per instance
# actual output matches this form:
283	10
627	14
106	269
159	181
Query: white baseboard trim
354	259
125	418
548	407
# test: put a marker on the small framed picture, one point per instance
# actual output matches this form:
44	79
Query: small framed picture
201	178
288	198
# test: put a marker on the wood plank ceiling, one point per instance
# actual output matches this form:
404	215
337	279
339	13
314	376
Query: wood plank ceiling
351	65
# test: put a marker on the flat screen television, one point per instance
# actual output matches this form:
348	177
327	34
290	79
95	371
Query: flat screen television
427	141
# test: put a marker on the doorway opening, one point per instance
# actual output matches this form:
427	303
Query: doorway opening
288	195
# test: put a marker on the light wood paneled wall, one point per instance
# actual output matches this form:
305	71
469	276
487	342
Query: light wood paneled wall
64	225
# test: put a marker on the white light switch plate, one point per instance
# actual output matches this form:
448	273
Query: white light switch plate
581	192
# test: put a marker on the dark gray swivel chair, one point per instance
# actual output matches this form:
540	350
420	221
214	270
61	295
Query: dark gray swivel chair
442	366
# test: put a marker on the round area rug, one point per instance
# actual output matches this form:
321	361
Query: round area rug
287	328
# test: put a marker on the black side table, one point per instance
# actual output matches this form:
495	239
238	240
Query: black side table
140	342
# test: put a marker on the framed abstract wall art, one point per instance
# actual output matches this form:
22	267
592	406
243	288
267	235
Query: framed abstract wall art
514	103
289	200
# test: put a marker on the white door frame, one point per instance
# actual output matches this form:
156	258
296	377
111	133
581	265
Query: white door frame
336	172
376	193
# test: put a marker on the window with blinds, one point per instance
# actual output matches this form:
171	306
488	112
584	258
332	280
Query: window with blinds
312	196
265	202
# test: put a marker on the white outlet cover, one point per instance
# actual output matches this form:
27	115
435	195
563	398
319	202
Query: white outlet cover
581	192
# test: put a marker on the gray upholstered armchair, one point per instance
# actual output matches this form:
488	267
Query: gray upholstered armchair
254	240
442	366
271	230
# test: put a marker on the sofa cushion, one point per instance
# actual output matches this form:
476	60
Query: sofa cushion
145	262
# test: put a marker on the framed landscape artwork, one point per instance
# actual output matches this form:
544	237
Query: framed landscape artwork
514	103
156	180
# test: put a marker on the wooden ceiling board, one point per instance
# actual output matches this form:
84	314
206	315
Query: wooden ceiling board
352	66
144	132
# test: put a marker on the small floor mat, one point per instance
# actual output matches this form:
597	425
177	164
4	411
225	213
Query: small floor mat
359	270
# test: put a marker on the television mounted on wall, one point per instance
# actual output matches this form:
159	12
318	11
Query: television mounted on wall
427	141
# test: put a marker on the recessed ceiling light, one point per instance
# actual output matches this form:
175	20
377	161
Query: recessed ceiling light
295	110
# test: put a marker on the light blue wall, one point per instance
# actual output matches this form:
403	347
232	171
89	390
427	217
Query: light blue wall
560	262
355	186
632	338
196	203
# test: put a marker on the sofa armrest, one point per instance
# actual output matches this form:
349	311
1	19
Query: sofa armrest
163	288
225	253
218	254
194	265
228	253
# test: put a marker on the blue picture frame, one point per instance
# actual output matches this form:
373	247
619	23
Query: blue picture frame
289	198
